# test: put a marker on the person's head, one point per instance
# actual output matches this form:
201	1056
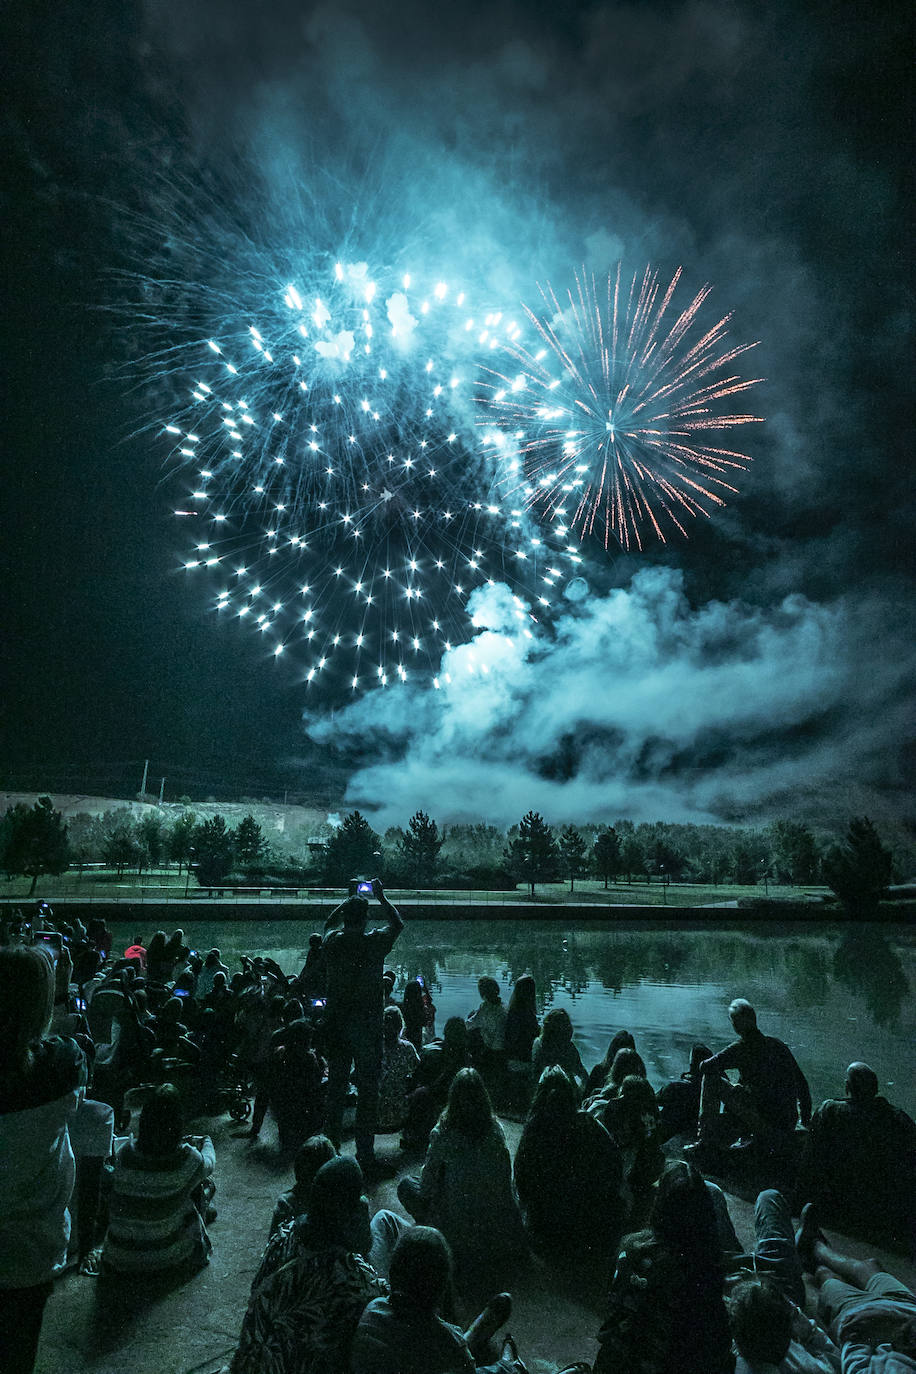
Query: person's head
171	1013
310	1156
26	999
623	1040
557	1030
338	1213
638	1096
488	989
392	1025
160	1128
742	1016
156	948
185	982
355	913
698	1055
524	995
627	1063
413	994
455	1035
469	1110
761	1321
293	1010
315	942
420	1270
556	1100
219	982
298	1037
683	1217
213	959
861	1082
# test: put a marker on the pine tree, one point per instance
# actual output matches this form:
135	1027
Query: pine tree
353	851
859	869
149	833
214	854
249	840
419	848
532	854
179	847
606	855
34	841
572	854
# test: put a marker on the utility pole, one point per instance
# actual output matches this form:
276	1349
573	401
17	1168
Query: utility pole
161	790
143	783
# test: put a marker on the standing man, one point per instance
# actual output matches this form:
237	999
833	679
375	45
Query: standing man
354	960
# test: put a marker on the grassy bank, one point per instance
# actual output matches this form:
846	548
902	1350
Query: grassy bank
165	885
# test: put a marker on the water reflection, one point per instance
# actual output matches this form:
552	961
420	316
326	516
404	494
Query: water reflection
865	962
834	994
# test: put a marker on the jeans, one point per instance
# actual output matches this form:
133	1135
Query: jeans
357	1043
774	1245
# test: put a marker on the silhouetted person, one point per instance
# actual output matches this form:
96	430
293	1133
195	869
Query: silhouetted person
859	1162
771	1094
354	961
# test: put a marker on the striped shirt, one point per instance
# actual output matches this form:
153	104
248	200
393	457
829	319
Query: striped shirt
153	1223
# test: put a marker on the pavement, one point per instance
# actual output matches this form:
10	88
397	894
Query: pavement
99	1326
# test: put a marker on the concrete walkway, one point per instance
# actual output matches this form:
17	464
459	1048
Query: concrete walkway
97	1326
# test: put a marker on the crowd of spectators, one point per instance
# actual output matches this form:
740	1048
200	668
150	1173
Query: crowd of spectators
106	1054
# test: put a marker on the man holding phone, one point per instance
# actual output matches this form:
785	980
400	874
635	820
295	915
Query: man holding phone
354	960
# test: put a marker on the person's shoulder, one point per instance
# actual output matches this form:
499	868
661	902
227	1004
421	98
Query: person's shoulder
59	1060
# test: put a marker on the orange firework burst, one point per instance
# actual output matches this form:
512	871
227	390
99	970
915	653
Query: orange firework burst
604	428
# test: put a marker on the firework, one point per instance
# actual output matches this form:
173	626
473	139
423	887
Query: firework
611	424
328	465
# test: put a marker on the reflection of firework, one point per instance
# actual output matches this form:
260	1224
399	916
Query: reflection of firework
330	488
604	427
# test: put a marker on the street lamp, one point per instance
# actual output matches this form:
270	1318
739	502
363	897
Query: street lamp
766	876
187	876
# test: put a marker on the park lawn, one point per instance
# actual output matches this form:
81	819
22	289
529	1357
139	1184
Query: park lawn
166	884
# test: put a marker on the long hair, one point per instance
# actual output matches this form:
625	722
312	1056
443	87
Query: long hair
524	995
160	1128
557	1031
627	1064
469	1110
555	1103
684	1220
26	1001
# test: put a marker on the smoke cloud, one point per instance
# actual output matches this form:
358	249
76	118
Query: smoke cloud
639	704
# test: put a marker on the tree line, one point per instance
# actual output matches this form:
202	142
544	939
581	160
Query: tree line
36	840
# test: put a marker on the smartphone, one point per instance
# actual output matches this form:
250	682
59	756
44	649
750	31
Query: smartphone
364	889
79	1004
319	1001
420	981
180	992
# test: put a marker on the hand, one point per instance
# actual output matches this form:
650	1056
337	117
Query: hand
378	891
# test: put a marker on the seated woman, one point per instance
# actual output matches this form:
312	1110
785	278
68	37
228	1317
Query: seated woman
297	1087
631	1118
465	1188
310	1156
627	1063
313	1283
413	1010
438	1065
40	1083
521	1032
159	1193
598	1076
487	1033
568	1174
555	1045
666	1310
404	1333
399	1064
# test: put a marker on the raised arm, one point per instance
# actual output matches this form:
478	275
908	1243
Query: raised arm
392	915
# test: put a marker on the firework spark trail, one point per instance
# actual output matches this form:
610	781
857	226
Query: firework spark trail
334	492
609	413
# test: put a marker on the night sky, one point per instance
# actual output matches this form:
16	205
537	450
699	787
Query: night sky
764	667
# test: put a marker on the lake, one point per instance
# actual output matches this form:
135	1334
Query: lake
834	994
